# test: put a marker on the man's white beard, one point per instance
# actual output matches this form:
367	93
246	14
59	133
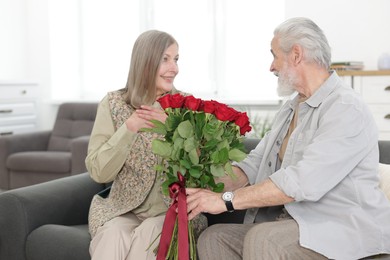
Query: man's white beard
286	82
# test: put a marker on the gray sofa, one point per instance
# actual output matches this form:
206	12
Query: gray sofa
31	158
48	221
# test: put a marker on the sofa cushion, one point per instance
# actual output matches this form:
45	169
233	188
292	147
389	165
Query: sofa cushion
40	161
384	175
58	242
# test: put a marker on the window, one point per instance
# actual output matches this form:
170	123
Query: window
223	45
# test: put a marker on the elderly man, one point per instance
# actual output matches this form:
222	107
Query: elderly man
313	178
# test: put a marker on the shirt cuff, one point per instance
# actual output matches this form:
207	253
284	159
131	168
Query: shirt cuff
286	184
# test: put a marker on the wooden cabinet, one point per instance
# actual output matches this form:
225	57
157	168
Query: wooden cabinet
18	107
374	86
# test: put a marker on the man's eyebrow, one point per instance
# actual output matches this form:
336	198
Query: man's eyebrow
272	52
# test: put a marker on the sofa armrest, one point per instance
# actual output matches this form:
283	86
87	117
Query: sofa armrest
35	141
79	150
250	143
63	201
384	151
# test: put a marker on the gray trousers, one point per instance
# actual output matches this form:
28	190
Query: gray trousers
268	240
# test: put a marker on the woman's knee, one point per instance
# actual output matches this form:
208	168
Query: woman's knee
151	225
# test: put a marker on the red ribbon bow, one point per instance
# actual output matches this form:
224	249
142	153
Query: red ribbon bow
177	192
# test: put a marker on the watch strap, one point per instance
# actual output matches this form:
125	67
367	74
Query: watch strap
229	206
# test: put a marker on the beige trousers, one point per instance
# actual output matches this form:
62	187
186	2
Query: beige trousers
126	237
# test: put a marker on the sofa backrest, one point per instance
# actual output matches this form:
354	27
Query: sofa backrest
250	143
384	151
384	148
73	120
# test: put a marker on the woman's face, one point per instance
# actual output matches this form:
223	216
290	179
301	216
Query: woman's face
168	70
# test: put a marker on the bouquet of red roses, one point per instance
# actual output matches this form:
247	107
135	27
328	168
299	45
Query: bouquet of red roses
201	138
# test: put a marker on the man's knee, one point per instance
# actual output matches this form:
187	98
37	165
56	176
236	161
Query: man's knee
208	236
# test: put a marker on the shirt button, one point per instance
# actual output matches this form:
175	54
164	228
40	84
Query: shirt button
278	143
269	164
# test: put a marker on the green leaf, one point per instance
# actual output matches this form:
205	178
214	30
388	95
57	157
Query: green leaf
158	124
176	135
186	164
220	131
158	128
237	155
196	173
209	145
223	144
200	119
161	148
219	187
190	144
185	128
223	155
217	170
204	179
193	156
172	122
175	169
229	170
176	149
165	185
215	157
149	130
178	143
210	130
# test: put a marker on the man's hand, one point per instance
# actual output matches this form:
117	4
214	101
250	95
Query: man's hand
203	201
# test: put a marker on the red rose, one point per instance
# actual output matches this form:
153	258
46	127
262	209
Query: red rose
192	103
225	113
177	100
242	121
201	105
164	101
209	106
245	129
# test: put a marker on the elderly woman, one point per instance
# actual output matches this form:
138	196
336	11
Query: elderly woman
126	222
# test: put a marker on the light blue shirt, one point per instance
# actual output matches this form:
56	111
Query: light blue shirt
330	168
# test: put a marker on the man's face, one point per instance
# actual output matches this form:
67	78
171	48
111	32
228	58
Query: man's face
286	81
281	68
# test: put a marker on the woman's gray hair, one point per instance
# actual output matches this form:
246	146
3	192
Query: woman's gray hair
305	33
146	57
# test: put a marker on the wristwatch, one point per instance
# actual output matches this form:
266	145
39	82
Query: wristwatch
228	198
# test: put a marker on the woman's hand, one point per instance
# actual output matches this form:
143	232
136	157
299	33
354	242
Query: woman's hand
203	201
142	116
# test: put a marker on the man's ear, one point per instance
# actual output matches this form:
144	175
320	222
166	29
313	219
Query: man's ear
297	54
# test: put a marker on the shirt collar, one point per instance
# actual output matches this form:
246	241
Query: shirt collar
322	92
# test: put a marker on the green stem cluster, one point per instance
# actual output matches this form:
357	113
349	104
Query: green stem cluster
173	251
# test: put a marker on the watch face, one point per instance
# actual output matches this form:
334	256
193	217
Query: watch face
227	196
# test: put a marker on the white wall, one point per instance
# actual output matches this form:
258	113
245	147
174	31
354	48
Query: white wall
25	50
356	30
13	31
